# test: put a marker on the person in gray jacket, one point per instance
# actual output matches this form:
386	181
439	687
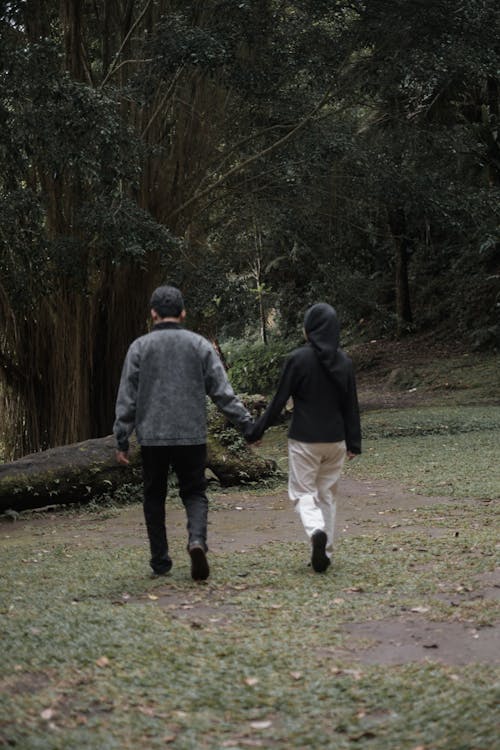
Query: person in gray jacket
166	377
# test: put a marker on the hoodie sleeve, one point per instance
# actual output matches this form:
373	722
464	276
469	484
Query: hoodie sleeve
350	412
221	392
126	399
278	403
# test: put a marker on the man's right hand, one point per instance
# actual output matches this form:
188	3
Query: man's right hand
122	457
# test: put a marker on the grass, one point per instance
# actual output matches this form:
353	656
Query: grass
96	656
466	379
441	378
92	660
434	451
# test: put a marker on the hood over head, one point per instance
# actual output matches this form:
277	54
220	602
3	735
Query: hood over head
323	333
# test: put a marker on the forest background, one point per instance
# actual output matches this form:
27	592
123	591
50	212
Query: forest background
260	154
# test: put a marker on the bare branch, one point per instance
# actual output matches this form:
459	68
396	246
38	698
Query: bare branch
239	167
113	66
130	62
163	101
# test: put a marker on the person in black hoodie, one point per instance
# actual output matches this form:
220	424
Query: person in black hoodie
325	426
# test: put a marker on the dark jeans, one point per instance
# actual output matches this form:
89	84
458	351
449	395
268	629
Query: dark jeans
188	463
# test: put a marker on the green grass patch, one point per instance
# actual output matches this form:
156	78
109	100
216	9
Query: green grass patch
435	451
461	379
465	379
421	422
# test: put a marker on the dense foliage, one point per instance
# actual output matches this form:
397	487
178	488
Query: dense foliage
260	154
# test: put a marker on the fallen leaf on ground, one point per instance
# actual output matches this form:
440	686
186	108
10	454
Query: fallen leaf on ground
47	714
261	724
103	661
251	681
146	710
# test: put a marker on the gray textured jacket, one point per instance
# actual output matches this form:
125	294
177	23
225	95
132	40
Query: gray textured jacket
166	377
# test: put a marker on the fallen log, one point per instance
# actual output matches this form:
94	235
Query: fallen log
82	472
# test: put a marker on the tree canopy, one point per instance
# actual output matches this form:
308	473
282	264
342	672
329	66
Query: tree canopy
260	154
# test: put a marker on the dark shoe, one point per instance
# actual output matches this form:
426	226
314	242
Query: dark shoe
199	564
319	558
163	571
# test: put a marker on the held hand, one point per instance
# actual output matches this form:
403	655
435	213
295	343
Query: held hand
350	455
251	440
122	457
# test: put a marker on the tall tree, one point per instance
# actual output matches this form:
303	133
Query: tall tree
123	122
422	81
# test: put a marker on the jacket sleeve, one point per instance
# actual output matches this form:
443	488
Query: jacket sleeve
221	392
278	403
126	399
350	412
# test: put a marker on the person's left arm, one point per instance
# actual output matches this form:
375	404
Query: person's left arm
283	392
219	389
352	422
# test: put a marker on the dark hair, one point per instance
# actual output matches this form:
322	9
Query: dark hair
167	301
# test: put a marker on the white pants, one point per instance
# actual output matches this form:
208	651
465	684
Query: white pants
313	473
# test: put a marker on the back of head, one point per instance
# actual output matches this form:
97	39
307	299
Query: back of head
167	301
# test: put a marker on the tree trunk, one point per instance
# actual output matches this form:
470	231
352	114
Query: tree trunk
85	471
403	305
397	226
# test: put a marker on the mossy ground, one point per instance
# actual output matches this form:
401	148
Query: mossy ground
96	655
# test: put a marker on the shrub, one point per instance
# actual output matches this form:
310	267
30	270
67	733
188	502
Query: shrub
255	367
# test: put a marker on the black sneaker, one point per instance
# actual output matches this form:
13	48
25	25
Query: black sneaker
163	571
319	558
199	564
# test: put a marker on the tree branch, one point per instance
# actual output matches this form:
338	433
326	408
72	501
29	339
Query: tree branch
163	101
129	62
219	161
113	66
277	144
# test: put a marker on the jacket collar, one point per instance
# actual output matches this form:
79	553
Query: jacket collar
166	326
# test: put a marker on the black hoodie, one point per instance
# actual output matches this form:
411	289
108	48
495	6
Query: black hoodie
320	379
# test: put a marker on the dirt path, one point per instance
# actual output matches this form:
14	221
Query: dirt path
241	521
363	506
